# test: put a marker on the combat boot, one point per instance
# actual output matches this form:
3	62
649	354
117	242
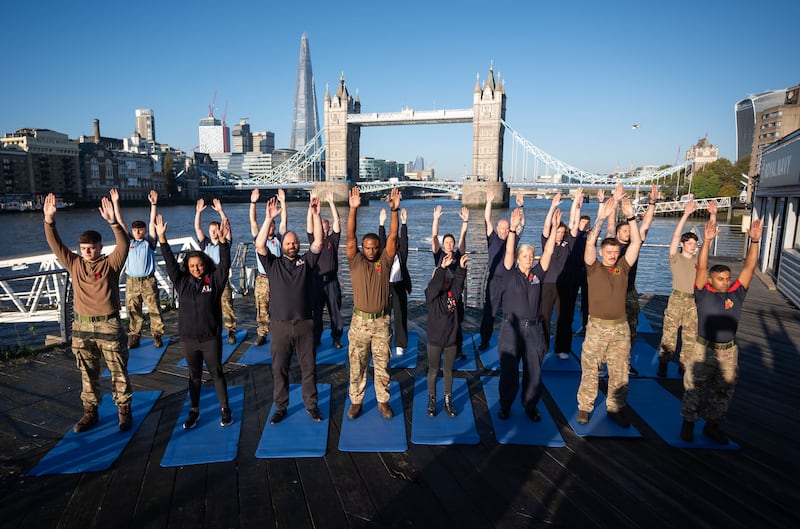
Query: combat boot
125	417
431	405
448	405
88	420
133	341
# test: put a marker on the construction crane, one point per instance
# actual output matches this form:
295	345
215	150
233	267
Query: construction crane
225	113
211	106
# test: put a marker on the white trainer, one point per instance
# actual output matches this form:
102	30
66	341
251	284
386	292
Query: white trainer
399	351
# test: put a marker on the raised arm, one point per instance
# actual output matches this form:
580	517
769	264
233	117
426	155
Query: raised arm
647	221
263	233
114	194
284	211
351	247
548	219
632	253
675	242
152	197
314	207
336	223
394	223
618	194
198	225
402	240
549	247
701	276
521	206
173	270
487	212
603	209
750	262
437	213
462	237
575	212
508	259
216	205
255	194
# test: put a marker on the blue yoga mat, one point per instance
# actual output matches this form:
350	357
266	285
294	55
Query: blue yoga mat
469	349
409	358
552	362
98	448
490	358
644	357
145	358
297	435
207	442
563	387
257	354
518	429
370	432
327	353
443	429
662	412
227	348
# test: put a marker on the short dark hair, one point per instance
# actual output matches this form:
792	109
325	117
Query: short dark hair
449	235
689	235
718	269
214	223
90	237
138	224
621	224
609	241
586	217
370	235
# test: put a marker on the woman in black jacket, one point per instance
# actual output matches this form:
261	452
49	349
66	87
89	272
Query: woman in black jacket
199	284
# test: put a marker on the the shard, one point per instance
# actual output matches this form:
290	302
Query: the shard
305	124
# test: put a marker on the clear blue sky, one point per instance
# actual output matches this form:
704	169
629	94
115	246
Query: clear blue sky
578	74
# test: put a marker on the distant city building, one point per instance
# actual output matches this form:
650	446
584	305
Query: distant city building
702	153
214	136
39	161
264	142
242	137
305	124
245	165
146	124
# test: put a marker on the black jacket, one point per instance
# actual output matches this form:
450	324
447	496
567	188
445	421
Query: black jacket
442	312
402	252
200	312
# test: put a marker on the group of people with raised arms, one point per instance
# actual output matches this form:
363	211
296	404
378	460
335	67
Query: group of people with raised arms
292	289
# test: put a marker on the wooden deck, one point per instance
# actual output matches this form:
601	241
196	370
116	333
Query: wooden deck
592	482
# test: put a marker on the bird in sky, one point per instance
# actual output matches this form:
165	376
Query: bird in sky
635	126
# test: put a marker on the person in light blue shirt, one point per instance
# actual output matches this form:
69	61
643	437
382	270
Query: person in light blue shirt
141	284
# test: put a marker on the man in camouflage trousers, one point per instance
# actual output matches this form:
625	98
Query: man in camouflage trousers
96	329
681	312
712	365
607	332
369	328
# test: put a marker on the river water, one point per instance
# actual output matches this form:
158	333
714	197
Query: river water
22	235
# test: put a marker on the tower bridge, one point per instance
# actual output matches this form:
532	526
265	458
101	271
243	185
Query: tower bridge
334	164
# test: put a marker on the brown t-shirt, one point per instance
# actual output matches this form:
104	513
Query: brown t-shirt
370	281
95	283
608	287
683	271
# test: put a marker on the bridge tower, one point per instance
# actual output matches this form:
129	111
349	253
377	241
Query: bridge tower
489	111
342	142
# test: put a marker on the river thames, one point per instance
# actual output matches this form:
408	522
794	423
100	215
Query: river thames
22	234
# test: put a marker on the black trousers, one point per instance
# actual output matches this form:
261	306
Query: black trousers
286	335
327	294
434	359
560	296
519	342
398	300
209	351
492	303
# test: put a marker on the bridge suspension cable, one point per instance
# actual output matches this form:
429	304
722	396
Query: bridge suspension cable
570	174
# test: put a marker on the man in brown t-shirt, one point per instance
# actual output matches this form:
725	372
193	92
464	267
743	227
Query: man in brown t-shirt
608	335
369	328
96	329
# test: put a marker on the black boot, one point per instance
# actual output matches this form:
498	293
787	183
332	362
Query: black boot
687	431
431	405
448	405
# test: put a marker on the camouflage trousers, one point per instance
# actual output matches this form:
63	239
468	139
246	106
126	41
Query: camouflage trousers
367	335
90	341
681	313
136	291
709	381
632	312
228	316
606	341
262	304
